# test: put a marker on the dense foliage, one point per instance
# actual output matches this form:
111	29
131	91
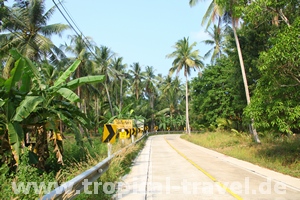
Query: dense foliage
217	95
269	40
46	92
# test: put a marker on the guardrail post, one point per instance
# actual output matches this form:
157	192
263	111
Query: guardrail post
132	138
108	149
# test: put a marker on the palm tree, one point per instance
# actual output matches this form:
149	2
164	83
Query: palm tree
150	90
217	40
119	67
172	92
185	58
79	49
138	76
228	7
234	25
103	59
26	29
214	12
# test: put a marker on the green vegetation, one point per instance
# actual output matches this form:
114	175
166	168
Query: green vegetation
119	167
255	56
77	160
186	59
53	106
277	152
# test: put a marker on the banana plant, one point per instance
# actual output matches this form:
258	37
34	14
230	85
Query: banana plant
26	99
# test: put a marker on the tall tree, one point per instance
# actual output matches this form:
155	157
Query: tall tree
275	105
233	9
172	92
138	76
186	59
214	12
103	58
119	67
216	39
79	50
29	32
150	89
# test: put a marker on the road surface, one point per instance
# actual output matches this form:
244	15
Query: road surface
171	168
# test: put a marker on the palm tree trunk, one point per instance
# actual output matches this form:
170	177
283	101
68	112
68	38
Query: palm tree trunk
121	94
109	101
152	108
137	92
252	128
97	115
188	131
78	88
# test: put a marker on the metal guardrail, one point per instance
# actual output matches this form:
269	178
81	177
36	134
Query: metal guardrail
70	189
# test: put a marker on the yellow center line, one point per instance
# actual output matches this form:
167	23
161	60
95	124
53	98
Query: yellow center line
206	173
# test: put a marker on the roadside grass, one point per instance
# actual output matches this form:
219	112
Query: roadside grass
278	153
106	186
77	159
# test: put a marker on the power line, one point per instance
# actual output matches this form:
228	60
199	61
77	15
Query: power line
67	12
62	5
81	34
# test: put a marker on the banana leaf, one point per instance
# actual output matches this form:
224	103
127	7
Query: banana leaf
15	75
85	80
68	94
2	102
26	83
70	123
26	107
2	81
163	111
34	73
67	73
15	54
15	135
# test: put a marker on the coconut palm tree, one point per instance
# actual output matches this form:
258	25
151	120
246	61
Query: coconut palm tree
78	49
119	67
26	29
150	83
228	7
186	59
172	92
214	12
138	76
103	59
216	39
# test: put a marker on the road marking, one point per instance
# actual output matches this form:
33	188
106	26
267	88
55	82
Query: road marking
206	173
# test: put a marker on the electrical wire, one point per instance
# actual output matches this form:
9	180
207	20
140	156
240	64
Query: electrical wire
85	40
67	12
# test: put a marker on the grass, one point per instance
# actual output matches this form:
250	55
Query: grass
278	153
120	165
77	159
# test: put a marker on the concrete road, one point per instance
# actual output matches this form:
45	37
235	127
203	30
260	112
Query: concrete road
172	168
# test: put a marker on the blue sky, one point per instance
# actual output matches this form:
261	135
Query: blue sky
141	31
